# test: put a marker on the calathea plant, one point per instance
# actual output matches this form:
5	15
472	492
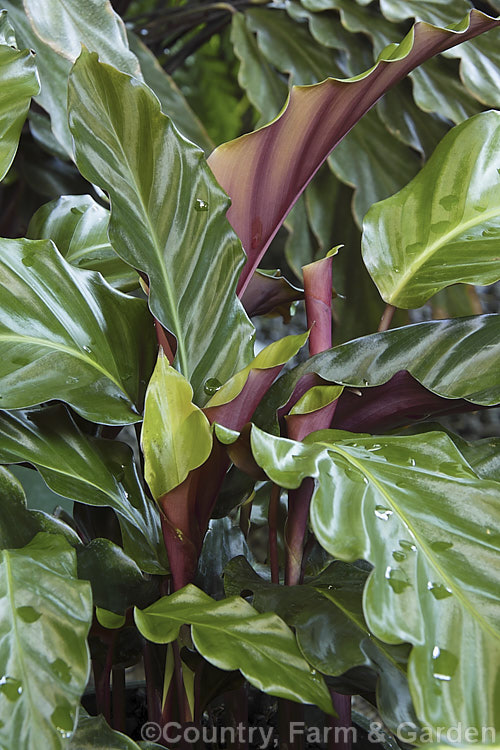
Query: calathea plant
128	380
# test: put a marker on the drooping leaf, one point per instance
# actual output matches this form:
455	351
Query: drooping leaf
79	228
89	470
124	584
437	88
176	435
435	575
19	82
309	142
480	69
327	615
65	334
167	218
223	541
265	89
231	634
18	525
45	615
441	12
173	103
444	227
269	293
442	355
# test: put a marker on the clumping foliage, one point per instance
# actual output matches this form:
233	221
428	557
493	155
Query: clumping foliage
235	518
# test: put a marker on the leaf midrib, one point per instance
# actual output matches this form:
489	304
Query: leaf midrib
423	546
63	348
431	249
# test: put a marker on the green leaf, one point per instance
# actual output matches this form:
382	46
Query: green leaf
109	619
441	354
361	160
19	82
78	226
89	470
46	614
171	98
326	614
435	576
444	227
93	733
65	334
438	88
167	218
441	12
264	87
480	68
176	435
124	584
18	524
231	634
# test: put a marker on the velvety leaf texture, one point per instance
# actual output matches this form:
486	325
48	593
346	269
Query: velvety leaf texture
167	218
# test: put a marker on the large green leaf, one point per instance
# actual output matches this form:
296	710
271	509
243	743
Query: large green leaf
19	82
167	218
442	12
444	227
231	634
435	578
176	435
452	358
264	87
89	470
45	615
327	616
65	334
437	88
79	227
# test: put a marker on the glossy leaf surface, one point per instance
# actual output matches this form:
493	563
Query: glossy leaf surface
167	218
326	613
435	575
442	355
231	634
93	733
309	138
444	227
19	82
176	435
65	334
45	615
79	228
89	470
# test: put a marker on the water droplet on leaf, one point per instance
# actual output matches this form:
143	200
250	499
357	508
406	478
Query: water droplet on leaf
87	349
62	720
438	590
28	614
449	202
397	579
211	386
61	669
11	688
200	205
383	513
441	546
444	664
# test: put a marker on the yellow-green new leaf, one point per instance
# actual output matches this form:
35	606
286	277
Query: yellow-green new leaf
444	227
176	435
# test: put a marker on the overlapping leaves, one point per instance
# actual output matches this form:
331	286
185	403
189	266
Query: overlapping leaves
64	333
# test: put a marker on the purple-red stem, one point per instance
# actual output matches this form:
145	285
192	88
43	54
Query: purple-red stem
273	512
340	735
119	699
